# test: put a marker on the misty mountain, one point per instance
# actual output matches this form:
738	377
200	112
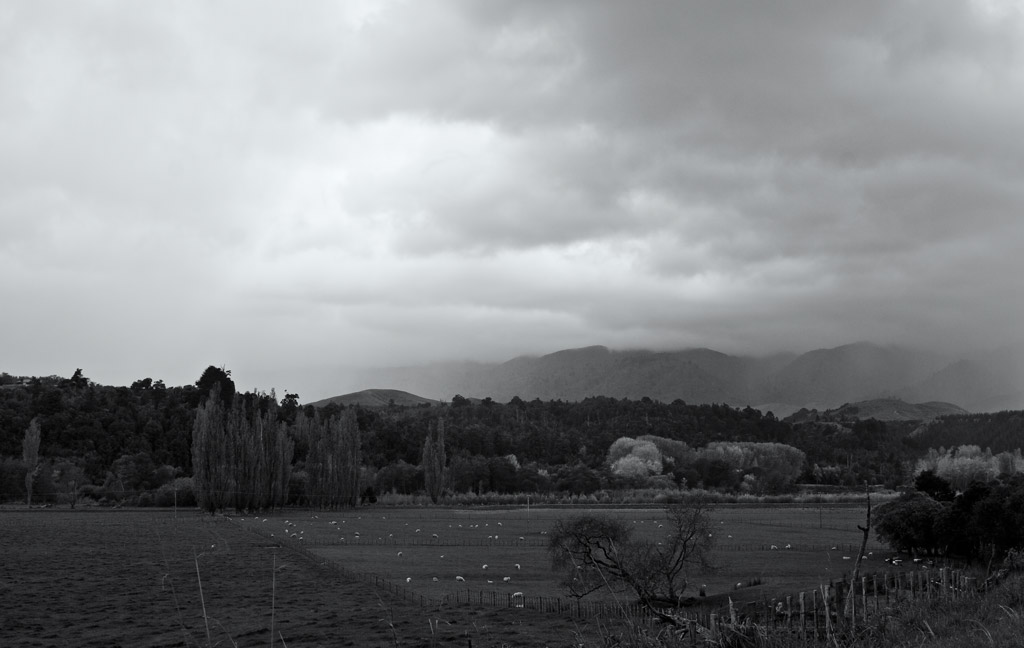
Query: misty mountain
821	379
989	382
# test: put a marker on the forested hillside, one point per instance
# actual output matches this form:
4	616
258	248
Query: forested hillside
122	441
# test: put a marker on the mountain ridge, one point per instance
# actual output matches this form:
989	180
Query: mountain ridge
820	379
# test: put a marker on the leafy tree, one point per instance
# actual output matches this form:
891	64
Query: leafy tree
912	523
220	377
597	552
934	486
399	477
68	478
30	456
635	459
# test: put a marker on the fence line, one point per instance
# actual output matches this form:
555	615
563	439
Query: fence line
812	615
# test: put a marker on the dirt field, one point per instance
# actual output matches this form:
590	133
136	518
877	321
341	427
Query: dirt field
129	578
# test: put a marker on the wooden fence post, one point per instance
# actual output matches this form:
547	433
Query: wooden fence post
803	617
864	598
814	604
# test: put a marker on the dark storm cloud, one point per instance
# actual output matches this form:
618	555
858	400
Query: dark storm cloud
276	188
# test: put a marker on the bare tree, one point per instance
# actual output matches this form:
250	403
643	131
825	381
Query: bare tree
597	552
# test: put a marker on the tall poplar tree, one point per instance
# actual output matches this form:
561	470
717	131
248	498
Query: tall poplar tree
30	456
433	463
334	459
211	456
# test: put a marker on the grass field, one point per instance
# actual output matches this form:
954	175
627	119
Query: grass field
415	546
103	578
148	578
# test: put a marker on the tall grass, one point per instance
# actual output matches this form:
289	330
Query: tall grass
996	619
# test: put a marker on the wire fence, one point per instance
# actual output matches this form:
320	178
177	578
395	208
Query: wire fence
813	615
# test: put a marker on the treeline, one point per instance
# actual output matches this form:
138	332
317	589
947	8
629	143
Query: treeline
121	441
998	431
983	522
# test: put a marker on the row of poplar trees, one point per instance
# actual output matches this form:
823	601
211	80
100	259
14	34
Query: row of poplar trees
333	460
241	454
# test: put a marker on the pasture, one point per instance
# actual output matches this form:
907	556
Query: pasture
150	578
105	578
434	551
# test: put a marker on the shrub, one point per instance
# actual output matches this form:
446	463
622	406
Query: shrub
180	491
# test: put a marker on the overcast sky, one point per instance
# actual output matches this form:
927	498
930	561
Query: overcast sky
287	189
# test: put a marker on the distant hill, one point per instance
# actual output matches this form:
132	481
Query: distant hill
821	379
883	409
377	398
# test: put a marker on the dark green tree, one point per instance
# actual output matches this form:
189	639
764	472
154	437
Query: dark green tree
934	486
912	523
217	376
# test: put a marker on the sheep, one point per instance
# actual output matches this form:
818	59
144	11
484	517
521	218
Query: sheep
789	546
434	579
774	547
484	567
460	579
408	580
506	579
517	566
399	554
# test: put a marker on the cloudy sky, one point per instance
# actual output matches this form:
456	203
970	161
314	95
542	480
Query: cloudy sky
289	189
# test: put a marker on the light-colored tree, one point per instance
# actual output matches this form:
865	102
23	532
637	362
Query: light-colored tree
633	458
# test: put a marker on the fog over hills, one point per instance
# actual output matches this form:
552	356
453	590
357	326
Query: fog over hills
820	379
